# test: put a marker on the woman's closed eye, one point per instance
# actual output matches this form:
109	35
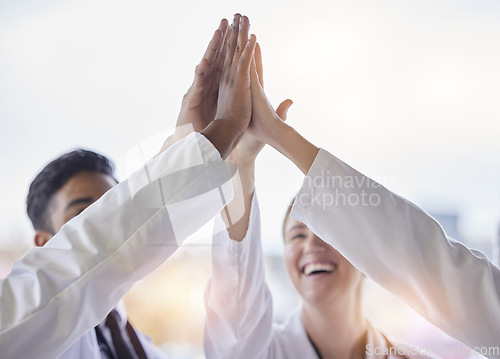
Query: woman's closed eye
297	236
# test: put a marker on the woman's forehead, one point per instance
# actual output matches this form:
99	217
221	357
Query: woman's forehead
292	224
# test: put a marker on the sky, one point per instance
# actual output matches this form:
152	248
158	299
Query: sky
404	91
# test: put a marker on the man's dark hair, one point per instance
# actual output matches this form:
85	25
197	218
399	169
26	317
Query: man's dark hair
55	175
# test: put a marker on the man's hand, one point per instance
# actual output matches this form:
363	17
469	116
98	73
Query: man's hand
234	92
234	107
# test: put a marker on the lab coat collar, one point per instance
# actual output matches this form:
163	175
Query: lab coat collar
295	325
122	312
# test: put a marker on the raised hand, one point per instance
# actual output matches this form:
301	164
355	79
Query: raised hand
268	127
249	146
234	107
265	121
234	91
199	104
236	215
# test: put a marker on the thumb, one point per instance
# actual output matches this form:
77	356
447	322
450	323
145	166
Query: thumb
282	109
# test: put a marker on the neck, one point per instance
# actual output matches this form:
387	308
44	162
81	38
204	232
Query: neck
338	330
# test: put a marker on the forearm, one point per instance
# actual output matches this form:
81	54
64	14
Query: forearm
236	214
292	145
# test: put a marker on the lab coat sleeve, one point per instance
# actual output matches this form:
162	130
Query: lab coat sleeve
55	294
404	250
238	301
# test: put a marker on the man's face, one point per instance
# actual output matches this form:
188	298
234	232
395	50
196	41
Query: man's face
317	270
78	193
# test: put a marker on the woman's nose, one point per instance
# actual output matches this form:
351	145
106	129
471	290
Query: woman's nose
314	244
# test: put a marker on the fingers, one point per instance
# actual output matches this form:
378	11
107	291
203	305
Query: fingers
282	109
213	47
240	47
223	26
241	54
258	63
246	59
222	53
212	53
233	39
219	59
243	34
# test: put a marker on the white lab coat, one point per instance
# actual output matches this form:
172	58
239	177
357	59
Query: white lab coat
57	293
404	250
239	308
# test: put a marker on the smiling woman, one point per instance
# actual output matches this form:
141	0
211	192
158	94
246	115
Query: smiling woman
329	323
320	274
331	289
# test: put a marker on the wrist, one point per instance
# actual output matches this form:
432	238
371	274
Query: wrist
224	135
230	128
295	147
234	122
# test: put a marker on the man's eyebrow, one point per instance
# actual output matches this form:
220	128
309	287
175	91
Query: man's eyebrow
78	201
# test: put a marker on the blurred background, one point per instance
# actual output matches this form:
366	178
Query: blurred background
404	91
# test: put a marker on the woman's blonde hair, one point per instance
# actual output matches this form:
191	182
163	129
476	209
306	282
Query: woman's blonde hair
287	214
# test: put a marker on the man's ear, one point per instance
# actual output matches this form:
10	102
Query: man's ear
41	237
